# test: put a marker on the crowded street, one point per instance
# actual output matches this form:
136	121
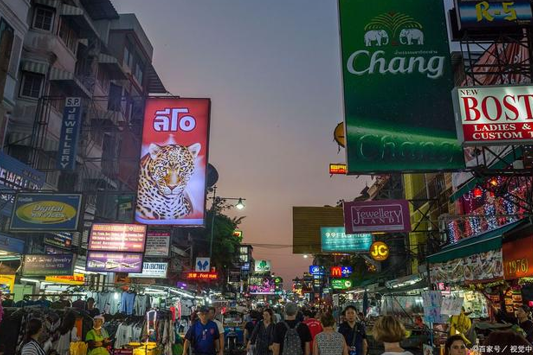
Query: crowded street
275	177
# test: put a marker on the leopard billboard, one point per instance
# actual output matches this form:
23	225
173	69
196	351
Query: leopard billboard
173	164
397	77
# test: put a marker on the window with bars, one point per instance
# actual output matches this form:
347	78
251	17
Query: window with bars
43	18
31	85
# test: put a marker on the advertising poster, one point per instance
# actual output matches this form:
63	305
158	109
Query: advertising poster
334	239
157	244
7	283
114	262
117	237
46	212
478	14
15	175
60	240
397	78
377	216
48	265
173	162
152	270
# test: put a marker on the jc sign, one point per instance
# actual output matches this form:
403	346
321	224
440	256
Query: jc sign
379	251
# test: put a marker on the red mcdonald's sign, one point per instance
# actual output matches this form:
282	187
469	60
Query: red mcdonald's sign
336	271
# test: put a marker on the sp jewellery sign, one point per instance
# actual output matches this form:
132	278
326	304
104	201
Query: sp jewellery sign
494	114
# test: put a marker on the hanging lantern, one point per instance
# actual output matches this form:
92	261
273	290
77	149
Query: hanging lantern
478	192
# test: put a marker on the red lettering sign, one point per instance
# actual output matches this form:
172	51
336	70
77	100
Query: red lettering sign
202	276
336	271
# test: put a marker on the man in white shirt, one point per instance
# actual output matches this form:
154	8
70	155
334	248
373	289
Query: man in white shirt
212	315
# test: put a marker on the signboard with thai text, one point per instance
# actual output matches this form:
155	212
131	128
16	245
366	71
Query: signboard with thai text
494	115
377	216
337	169
173	162
117	237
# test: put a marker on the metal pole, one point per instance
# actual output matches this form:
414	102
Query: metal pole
213	211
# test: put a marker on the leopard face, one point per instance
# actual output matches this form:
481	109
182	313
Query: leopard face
165	172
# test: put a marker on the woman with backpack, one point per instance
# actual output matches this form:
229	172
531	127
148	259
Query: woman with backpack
329	342
263	335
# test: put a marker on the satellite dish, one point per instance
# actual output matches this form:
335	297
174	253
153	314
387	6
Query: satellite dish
212	175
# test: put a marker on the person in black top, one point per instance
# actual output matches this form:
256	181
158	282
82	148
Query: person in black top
250	326
91	309
291	309
524	322
353	332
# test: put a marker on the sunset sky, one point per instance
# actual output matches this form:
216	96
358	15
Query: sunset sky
272	70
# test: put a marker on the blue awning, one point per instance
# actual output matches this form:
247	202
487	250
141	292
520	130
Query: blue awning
482	243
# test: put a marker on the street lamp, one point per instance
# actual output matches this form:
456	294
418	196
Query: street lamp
216	200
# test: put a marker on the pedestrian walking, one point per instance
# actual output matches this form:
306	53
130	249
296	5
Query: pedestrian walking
389	331
263	335
312	323
31	342
291	337
203	336
354	332
329	341
67	333
212	317
250	325
455	345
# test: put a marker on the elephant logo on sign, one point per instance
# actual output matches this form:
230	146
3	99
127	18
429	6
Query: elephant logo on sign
411	35
380	37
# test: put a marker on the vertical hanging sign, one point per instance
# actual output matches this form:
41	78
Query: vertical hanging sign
70	131
173	164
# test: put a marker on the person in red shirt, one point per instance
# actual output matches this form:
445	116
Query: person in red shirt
313	324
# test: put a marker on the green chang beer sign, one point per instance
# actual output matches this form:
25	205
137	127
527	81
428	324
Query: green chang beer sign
397	83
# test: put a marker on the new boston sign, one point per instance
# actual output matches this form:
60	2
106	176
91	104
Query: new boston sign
377	216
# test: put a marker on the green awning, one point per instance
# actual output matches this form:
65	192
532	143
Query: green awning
500	164
482	243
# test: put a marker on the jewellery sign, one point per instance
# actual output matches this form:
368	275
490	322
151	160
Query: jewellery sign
173	163
377	216
397	78
114	262
495	115
70	131
475	14
48	265
46	212
117	237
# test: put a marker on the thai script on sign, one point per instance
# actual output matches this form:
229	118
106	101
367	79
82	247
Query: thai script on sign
174	119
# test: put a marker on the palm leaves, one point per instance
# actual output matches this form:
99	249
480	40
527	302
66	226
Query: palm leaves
392	21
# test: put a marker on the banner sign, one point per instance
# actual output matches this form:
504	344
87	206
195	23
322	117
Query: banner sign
261	285
173	166
388	45
262	266
341	284
337	169
46	212
117	237
202	265
379	251
334	239
76	279
476	14
518	258
153	270
377	216
114	262
486	267
15	175
7	283
157	244
317	270
48	265
495	115
60	240
202	276
12	245
70	131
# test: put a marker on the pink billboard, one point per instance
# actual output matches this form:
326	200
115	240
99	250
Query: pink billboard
173	162
117	237
377	216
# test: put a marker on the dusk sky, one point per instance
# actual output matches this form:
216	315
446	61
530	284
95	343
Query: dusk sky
272	70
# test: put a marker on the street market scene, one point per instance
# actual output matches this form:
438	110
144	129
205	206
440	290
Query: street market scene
282	177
